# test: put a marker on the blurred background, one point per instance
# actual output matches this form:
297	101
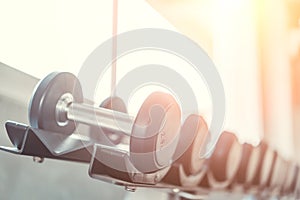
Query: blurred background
255	45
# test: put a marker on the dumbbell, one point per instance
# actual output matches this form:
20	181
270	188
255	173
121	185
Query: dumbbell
296	190
265	167
57	104
279	174
189	167
225	161
248	166
293	187
290	179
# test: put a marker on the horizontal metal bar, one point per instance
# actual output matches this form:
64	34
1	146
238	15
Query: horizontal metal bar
104	118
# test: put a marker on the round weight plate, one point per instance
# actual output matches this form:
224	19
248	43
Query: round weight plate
266	166
279	173
289	178
249	165
283	176
177	176
294	185
114	103
234	160
191	180
42	108
225	160
253	163
273	181
242	172
193	135
117	104
296	191
155	133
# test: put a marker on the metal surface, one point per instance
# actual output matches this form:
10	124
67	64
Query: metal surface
42	144
32	142
152	180
43	104
20	177
105	118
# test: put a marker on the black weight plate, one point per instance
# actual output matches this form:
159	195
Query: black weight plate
193	136
225	160
155	133
42	108
117	104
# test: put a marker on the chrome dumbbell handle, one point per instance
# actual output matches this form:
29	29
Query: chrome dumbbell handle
66	110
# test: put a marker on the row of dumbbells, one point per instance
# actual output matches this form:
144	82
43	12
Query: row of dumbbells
233	166
157	141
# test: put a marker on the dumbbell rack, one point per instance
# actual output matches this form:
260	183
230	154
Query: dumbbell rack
43	144
40	143
36	143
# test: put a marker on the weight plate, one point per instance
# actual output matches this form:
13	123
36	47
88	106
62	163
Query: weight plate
279	174
265	166
290	177
42	107
117	104
248	166
193	138
155	133
225	160
178	176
